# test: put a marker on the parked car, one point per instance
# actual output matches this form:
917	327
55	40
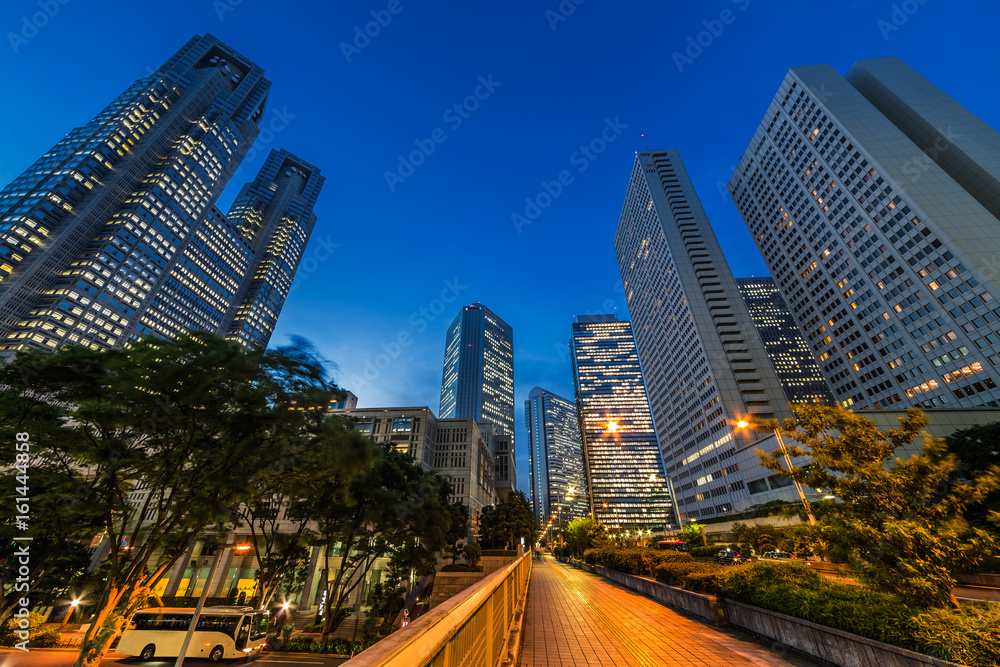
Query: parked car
781	556
728	557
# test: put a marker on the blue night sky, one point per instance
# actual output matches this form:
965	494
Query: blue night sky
382	258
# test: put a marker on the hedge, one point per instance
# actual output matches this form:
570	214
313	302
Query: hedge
633	560
335	646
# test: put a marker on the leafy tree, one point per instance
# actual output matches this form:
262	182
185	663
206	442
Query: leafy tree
504	525
693	533
900	521
584	533
393	510
978	450
473	554
458	530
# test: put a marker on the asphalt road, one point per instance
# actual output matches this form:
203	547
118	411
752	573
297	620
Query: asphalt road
64	658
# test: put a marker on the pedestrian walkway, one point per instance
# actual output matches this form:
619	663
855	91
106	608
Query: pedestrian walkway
577	619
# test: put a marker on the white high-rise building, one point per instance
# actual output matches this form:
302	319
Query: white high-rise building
875	201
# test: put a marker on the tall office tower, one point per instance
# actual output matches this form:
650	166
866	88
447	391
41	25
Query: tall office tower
478	378
874	201
624	470
558	482
113	233
705	364
790	355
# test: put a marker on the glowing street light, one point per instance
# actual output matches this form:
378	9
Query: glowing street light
788	462
72	607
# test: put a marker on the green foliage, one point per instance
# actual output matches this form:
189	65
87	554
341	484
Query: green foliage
584	533
797	590
458	529
37	638
978	451
334	647
561	551
970	636
705	551
473	554
692	534
755	539
503	526
900	522
639	561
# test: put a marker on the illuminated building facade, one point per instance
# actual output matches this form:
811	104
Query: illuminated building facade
478	380
706	368
873	198
113	234
412	431
462	454
790	355
558	482
624	469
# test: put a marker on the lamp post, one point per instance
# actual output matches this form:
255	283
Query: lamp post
241	548
72	607
788	462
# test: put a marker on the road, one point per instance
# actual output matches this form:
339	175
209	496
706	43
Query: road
62	658
575	618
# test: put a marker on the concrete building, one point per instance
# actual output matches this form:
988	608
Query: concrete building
113	233
556	464
624	470
705	365
411	430
788	351
478	381
462	454
874	201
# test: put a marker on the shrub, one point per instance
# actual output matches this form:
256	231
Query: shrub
313	627
672	574
633	560
37	638
969	637
707	580
296	644
473	554
706	551
796	590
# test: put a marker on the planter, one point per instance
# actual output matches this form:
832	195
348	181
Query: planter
834	647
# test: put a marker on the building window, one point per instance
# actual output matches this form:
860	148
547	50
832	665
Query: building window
402	424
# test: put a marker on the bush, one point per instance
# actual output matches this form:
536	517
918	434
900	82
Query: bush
313	627
706	551
633	560
969	637
705	578
797	590
37	638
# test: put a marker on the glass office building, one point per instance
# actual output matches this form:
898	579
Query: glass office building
624	469
478	379
558	482
114	234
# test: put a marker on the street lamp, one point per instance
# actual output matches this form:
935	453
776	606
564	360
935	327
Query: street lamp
788	462
72	607
241	549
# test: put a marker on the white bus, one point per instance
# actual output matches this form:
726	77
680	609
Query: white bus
222	632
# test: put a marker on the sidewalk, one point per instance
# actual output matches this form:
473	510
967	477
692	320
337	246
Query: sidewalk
575	618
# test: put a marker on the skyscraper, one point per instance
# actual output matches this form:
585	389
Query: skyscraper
556	463
705	365
113	233
624	470
873	200
478	378
790	355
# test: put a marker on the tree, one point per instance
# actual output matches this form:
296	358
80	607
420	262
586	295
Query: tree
504	525
900	521
693	533
473	554
978	450
393	510
584	533
458	530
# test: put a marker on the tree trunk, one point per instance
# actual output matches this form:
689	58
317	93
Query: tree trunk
92	649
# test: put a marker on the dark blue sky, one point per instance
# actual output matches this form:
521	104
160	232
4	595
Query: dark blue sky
380	255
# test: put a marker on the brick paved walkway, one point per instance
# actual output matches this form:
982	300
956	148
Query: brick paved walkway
575	619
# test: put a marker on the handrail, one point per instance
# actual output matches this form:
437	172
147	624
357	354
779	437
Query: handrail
469	629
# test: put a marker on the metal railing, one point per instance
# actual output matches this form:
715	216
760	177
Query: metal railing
469	630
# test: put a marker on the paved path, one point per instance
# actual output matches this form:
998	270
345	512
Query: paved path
575	618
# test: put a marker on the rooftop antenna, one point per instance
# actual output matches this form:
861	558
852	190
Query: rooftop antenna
644	142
